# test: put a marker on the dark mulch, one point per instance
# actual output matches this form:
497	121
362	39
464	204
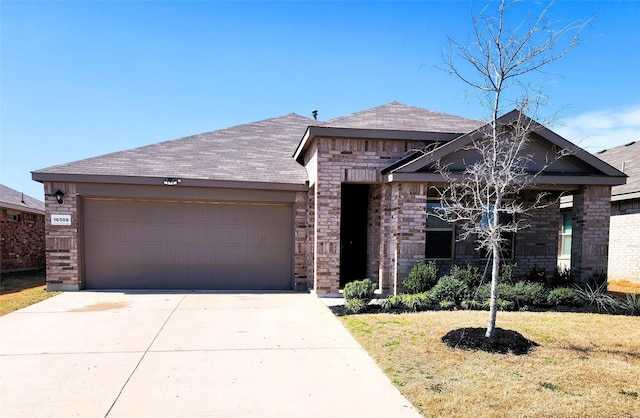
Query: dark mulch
503	341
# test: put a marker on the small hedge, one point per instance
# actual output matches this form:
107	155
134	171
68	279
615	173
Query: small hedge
422	277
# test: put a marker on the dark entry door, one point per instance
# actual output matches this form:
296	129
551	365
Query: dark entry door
353	232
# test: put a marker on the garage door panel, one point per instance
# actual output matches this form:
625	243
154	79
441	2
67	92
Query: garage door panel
174	245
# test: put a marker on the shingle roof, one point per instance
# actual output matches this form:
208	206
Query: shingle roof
10	198
397	116
625	158
253	152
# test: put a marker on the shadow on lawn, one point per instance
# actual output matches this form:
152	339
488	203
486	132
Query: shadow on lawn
503	341
19	281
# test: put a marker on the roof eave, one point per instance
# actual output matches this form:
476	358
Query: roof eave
159	181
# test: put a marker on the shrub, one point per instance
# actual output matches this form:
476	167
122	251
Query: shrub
391	302
505	305
564	296
447	304
597	296
483	292
561	277
537	274
417	301
360	289
422	277
526	293
597	279
449	288
355	305
632	304
471	304
508	272
468	274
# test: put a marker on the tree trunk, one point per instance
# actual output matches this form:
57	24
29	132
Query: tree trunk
493	310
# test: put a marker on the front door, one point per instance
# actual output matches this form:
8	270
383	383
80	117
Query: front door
353	232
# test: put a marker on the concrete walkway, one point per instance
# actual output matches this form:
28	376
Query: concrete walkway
114	354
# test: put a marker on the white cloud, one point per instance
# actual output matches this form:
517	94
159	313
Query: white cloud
603	129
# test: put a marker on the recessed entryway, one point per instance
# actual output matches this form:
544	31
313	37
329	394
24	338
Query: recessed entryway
353	232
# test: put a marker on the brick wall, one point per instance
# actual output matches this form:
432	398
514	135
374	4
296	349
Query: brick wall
63	268
624	241
339	160
22	241
591	216
300	241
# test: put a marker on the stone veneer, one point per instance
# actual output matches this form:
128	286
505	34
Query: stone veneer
63	267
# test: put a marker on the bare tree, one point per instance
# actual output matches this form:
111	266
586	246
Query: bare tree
501	63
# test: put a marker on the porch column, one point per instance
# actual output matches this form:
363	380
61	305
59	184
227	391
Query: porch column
63	261
326	237
403	227
590	231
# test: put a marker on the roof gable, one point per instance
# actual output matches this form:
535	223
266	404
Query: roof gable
400	117
457	155
253	152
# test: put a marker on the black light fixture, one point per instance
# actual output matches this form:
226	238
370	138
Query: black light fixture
59	195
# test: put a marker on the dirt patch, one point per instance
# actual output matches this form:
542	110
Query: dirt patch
104	306
503	341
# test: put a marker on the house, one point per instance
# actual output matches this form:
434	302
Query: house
22	232
294	203
624	238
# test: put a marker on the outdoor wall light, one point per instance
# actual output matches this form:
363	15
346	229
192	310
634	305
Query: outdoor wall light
58	196
170	181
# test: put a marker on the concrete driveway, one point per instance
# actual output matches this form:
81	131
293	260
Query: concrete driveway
115	354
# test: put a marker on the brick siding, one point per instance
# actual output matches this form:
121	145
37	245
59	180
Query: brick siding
624	242
22	241
63	267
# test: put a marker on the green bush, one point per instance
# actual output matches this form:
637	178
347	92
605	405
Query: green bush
564	296
360	289
632	304
468	274
598	297
417	301
508	272
527	293
449	288
562	277
597	279
537	274
355	305
447	304
520	294
422	277
471	304
391	302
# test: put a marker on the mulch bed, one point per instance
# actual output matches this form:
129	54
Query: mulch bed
502	342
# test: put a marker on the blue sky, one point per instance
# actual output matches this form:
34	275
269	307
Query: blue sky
84	78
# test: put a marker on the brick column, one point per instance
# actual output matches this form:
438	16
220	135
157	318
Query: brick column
326	242
410	201
300	242
63	261
590	231
387	248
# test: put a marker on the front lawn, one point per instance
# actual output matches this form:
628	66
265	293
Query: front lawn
586	365
20	290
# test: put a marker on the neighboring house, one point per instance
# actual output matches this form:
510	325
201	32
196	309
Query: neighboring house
624	240
294	203
22	232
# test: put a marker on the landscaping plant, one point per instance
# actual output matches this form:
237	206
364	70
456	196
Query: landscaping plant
422	277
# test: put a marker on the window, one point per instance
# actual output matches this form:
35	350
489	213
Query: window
565	236
439	233
13	218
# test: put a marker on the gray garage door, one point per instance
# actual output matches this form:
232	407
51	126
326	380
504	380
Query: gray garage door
178	245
